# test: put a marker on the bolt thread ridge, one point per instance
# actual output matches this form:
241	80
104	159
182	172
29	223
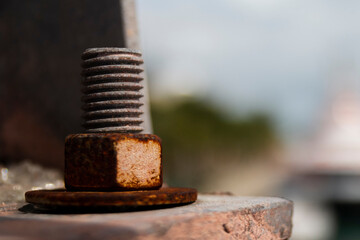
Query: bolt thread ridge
111	90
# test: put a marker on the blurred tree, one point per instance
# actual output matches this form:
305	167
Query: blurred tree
198	138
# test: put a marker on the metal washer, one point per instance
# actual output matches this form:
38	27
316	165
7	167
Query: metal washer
61	198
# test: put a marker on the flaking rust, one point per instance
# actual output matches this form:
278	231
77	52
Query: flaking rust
113	164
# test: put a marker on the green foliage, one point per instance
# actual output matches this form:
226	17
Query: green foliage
190	129
191	124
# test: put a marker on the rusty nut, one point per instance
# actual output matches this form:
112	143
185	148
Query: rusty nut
113	161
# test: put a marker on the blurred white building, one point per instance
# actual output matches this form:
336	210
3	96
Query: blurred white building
335	148
326	170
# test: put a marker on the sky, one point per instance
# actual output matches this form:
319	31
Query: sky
284	57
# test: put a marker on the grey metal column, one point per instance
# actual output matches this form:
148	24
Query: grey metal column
131	38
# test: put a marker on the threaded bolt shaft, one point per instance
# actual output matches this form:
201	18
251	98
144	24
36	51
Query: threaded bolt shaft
111	88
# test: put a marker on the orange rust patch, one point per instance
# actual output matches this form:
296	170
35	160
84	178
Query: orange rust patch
138	163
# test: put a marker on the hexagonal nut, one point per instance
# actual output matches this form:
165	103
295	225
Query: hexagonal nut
113	161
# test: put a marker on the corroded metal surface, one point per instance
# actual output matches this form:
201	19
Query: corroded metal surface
211	217
111	87
63	198
113	161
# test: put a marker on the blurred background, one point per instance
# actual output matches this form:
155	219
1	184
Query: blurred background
260	97
250	97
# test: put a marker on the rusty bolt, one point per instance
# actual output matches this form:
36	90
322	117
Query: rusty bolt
111	87
113	154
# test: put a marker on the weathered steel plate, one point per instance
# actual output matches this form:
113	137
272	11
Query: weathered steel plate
60	198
